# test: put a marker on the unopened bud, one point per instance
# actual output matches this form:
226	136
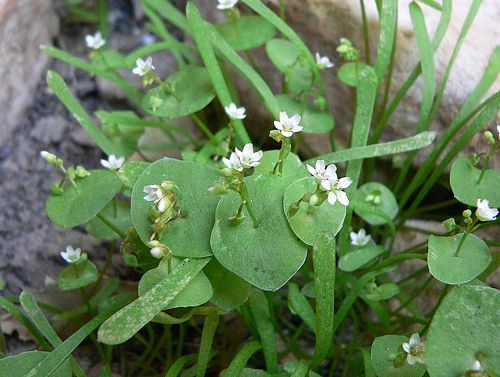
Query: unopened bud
155	102
168	185
489	137
49	157
218	189
449	224
276	135
467	213
314	199
81	172
71	173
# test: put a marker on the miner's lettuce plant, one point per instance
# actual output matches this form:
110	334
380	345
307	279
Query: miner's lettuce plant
298	247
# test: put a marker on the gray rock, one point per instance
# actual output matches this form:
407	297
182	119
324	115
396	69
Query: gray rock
49	129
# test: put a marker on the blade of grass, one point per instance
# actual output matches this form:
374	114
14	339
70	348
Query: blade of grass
419	141
176	367
429	81
207	337
34	313
103	18
262	317
301	306
388	23
59	354
61	90
324	287
301	369
217	78
241	359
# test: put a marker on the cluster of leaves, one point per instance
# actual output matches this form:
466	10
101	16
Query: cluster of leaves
212	266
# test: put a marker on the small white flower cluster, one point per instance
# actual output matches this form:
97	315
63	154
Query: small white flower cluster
158	195
323	61
143	66
484	212
329	182
226	4
287	126
113	162
244	159
95	41
235	112
71	255
360	238
415	350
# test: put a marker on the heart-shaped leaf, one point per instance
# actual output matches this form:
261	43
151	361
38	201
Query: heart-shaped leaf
452	268
464	181
73	207
187	236
189	91
464	328
348	73
267	256
247	32
284	54
308	221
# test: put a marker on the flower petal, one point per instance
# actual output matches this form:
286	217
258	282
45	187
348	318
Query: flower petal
342	197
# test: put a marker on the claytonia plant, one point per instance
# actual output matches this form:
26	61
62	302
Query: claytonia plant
415	350
360	238
113	162
143	67
288	126
334	187
323	61
484	212
95	41
71	255
235	112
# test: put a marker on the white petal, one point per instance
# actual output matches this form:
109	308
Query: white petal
326	185
311	170
410	359
342	197
106	164
406	347
286	133
332	198
248	149
344	182
295	119
331	169
414	340
320	165
257	156
283	117
278	125
297	128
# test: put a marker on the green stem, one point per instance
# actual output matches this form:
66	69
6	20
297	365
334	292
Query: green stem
203	127
485	166
245	197
110	225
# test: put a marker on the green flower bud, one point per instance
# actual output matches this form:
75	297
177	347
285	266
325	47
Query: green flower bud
218	189
276	135
489	137
155	102
49	157
81	172
71	173
467	213
449	224
56	190
314	199
168	185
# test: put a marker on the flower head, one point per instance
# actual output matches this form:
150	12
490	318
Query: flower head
484	212
323	61
288	125
143	66
157	195
95	41
334	187
233	162
235	112
71	255
321	172
249	159
226	4
415	350
113	163
360	238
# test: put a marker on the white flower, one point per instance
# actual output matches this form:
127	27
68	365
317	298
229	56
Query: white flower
156	252
321	172
415	350
288	126
334	187
249	159
323	61
233	162
226	4
476	366
498	130
95	41
113	163
484	212
360	238
235	112
71	255
143	66
49	157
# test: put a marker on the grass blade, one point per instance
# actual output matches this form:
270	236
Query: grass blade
176	367
419	141
207	54
324	287
241	359
388	23
301	369
207	337
260	311
301	306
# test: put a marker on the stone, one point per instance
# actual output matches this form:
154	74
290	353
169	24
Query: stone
24	26
49	129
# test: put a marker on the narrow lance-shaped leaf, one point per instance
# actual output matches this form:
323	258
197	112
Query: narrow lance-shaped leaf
207	336
240	360
388	21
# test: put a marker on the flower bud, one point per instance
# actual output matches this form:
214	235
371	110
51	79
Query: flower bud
168	185
71	173
81	172
156	252
449	224
467	213
276	135
155	102
218	189
314	199
49	157
489	137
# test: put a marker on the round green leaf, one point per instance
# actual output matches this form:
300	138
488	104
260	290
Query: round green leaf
383	292
309	221
73	207
78	275
464	180
267	256
197	292
20	365
299	78
247	32
284	54
292	166
473	258
466	323
387	204
348	73
192	91
385	346
118	214
359	257
187	236
129	173
230	291
314	121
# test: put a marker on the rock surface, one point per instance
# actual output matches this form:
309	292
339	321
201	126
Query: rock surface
24	26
